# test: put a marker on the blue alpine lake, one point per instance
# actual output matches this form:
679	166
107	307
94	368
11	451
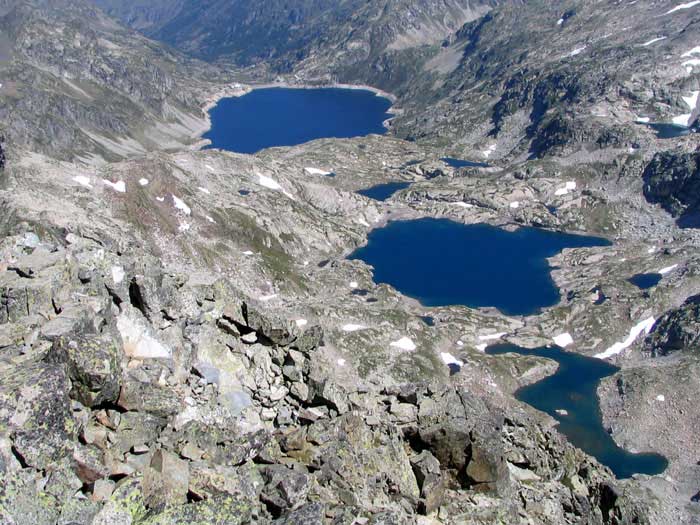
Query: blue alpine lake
441	262
458	163
272	117
572	390
382	192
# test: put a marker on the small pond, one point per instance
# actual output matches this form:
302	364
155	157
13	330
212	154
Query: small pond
382	192
644	281
669	131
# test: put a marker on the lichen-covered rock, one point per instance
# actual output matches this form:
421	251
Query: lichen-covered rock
146	396
430	480
244	481
285	488
275	329
218	510
35	412
166	481
94	366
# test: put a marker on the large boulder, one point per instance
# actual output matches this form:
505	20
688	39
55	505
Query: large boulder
94	366
35	412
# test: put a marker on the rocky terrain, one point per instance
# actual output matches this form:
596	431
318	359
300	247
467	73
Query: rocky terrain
183	340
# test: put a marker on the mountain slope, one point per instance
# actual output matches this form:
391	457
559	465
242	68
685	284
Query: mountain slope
74	81
281	32
508	78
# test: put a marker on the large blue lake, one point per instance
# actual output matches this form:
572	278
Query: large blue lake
271	117
441	262
573	389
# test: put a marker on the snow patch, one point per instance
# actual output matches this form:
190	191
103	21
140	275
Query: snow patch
661	397
668	269
204	190
143	182
119	186
180	205
654	41
301	323
210	219
117	274
489	151
83	181
353	327
341	362
643	326
568	187
578	51
482	347
184	227
492	337
449	359
353	284
682	120
690	64
562	412
462	204
692	100
684	6
563	340
160	199
514	205
267	297
404	344
694	51
316	171
643	120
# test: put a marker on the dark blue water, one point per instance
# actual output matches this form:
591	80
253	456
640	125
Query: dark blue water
457	163
286	117
574	388
441	262
644	281
382	192
669	131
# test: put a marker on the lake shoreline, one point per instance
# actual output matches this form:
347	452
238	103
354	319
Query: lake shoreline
238	89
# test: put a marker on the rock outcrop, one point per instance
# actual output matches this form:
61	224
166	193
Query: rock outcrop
672	180
239	420
678	330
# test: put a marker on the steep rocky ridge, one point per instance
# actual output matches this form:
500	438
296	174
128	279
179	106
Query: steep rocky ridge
280	33
73	82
